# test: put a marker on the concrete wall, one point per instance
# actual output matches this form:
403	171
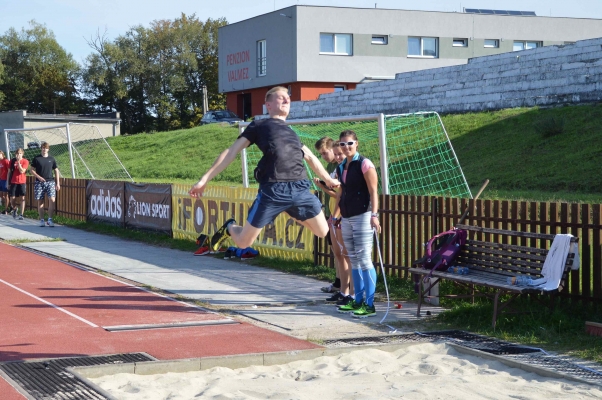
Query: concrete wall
540	77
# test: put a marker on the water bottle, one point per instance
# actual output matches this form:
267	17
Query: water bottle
520	280
463	271
452	269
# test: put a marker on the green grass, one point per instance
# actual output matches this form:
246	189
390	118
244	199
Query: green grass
504	146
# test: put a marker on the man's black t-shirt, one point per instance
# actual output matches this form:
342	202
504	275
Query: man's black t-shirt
282	159
44	167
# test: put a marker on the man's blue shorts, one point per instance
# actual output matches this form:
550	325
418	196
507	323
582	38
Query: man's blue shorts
294	198
3	187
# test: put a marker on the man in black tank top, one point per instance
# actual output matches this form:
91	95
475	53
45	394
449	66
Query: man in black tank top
283	183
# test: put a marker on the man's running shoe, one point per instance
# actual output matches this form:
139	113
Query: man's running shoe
228	255
221	235
201	240
42	223
364	311
330	289
50	223
202	251
14	213
335	297
20	217
350	308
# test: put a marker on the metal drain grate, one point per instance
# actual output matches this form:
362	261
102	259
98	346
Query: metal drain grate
49	380
525	354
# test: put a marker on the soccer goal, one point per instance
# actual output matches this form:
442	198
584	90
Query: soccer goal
412	152
79	146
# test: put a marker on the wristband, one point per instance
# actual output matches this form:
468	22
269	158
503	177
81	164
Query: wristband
374	215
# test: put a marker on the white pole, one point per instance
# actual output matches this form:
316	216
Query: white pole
70	152
384	162
243	161
6	145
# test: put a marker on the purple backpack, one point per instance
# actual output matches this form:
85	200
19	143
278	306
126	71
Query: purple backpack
442	250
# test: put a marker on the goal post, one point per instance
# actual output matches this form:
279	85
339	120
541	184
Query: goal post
80	146
412	153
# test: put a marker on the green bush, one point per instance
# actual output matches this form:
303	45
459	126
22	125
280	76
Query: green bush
549	126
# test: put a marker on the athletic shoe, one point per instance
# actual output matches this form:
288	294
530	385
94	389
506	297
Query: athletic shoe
344	301
50	223
228	255
4	212
202	251
364	311
42	223
350	308
201	240
14	213
330	289
221	235
335	297
20	217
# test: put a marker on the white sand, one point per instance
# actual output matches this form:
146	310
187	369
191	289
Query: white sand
423	371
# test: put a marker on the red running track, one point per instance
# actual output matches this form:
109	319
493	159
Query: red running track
50	309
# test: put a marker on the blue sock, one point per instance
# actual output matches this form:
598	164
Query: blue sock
369	276
358	285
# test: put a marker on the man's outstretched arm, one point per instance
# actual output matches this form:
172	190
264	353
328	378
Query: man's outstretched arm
221	163
316	166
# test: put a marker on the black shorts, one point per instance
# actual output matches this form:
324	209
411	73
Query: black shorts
294	198
17	190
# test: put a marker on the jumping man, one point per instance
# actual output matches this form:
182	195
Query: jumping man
283	183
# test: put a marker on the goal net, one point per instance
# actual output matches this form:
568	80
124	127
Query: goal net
80	150
412	153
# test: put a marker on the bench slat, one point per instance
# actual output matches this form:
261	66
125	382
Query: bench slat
484	250
533	250
510	233
481	258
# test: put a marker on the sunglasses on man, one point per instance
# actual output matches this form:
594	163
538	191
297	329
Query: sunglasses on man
347	143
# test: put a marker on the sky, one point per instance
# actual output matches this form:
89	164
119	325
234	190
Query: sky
74	21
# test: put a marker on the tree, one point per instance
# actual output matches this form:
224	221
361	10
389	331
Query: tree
40	76
154	76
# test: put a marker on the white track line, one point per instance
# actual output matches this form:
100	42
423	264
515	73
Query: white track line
50	304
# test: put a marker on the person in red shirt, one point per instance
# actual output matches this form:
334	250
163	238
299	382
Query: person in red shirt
16	178
4	165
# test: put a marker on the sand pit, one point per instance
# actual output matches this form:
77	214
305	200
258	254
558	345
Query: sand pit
422	371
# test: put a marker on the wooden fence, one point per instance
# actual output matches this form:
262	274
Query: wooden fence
409	221
70	199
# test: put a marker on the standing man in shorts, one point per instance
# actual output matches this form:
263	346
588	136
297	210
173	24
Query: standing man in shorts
283	183
42	167
17	179
4	166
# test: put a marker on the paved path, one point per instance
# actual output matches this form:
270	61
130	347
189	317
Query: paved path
287	303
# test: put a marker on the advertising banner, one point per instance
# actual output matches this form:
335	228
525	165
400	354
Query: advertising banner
105	202
284	238
148	206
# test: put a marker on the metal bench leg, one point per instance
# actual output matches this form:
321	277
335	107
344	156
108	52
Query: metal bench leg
420	296
495	303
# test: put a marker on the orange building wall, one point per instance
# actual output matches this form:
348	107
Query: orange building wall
300	91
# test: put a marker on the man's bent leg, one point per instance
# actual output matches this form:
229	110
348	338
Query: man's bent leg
243	236
51	206
317	225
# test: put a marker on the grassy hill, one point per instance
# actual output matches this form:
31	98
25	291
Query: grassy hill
527	153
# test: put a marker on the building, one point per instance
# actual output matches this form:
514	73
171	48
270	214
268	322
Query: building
314	50
108	124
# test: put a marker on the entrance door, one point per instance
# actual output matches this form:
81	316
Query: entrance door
247	111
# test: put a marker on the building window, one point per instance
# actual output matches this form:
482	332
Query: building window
492	43
380	39
261	58
336	43
423	47
525	45
460	42
340	88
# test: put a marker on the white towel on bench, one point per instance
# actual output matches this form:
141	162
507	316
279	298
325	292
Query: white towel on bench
553	266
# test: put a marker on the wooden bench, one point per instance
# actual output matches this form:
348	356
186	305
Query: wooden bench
491	261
